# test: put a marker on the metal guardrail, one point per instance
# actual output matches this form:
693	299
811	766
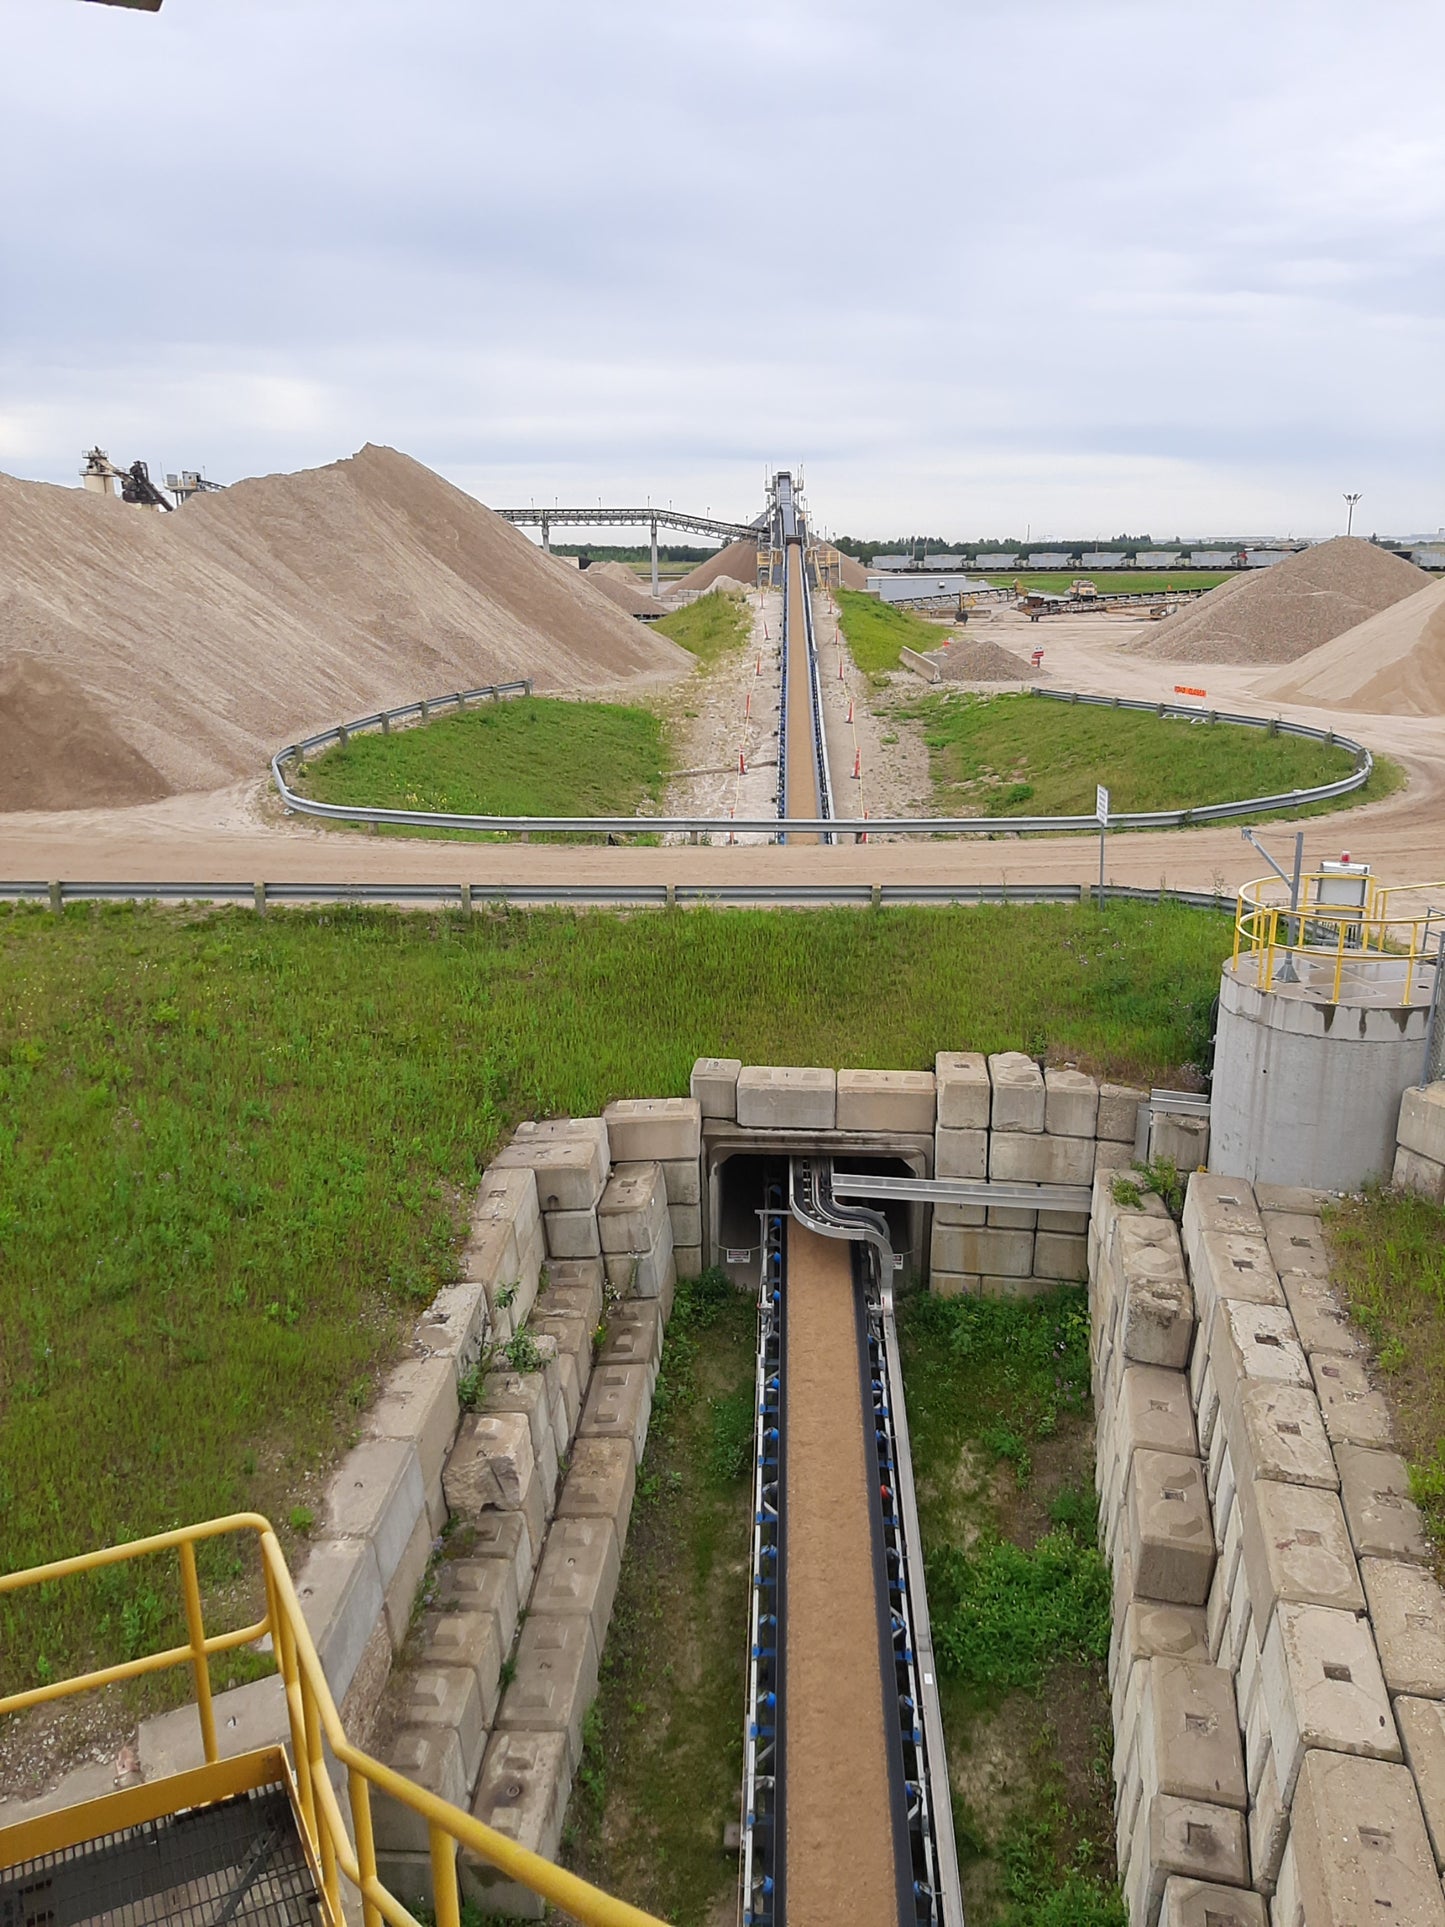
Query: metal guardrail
1388	935
836	828
316	1729
474	896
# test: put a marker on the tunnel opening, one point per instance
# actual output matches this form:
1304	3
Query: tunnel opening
739	1185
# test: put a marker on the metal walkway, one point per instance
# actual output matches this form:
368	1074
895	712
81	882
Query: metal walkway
238	1863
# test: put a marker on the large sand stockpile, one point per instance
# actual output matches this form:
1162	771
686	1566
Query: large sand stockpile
1281	613
622	586
851	574
1392	665
739	559
142	653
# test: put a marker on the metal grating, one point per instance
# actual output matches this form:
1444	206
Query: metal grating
237	1863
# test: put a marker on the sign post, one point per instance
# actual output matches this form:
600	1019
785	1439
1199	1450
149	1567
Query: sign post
1101	810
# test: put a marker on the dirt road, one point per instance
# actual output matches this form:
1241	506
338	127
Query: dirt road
239	835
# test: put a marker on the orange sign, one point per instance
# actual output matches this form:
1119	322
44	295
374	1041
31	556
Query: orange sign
1180	690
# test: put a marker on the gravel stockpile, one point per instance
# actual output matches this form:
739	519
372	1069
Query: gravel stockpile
1281	613
1392	665
853	575
980	661
198	642
621	585
738	559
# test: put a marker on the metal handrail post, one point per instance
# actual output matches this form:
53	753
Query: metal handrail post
200	1665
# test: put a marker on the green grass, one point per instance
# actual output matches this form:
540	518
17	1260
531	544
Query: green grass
1111	582
234	1150
1388	1258
875	632
711	627
1019	1598
1019	755
662	1745
531	756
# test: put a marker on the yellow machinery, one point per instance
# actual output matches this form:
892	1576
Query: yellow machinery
260	1839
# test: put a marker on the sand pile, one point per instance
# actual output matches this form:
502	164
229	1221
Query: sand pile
738	560
1281	613
1392	665
725	585
975	660
186	647
622	586
852	574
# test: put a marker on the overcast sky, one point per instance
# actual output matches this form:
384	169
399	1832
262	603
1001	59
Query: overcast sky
981	266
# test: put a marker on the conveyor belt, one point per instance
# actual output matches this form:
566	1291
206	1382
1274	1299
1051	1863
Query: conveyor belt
845	1750
798	792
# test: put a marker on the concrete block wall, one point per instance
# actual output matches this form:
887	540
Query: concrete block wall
1420	1142
502	1665
1277	1667
1003	1117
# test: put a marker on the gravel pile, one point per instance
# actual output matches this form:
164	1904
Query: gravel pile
144	653
1392	665
623	586
1281	613
979	661
738	560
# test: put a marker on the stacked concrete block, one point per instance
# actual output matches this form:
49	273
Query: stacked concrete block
885	1101
505	1250
787	1097
1322	1610
569	1159
635	1230
668	1131
1420	1142
714	1087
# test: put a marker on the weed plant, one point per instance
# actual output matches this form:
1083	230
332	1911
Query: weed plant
531	756
235	1153
1020	755
711	627
1019	1597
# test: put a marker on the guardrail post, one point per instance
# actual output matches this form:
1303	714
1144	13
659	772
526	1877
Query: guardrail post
386	722
258	891
467	899
877	896
425	710
196	1629
671	896
343	735
57	895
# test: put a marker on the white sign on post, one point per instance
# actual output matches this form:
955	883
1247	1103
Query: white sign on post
1101	810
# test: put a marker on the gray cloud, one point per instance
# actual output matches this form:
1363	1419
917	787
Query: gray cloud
979	265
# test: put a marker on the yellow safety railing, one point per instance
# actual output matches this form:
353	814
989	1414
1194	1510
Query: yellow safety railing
315	1725
1400	926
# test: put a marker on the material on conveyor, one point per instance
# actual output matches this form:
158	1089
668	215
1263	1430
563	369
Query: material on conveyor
739	560
801	755
1281	613
839	1849
1392	665
204	639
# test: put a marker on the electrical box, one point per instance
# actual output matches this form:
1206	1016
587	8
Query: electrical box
1344	883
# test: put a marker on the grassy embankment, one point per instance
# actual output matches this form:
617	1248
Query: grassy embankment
234	1154
1019	755
711	627
1019	1597
662	1761
1388	1258
530	756
876	632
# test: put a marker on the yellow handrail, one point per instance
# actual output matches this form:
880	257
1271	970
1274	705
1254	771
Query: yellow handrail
1336	933
316	1724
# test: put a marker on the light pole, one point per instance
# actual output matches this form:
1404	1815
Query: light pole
1350	520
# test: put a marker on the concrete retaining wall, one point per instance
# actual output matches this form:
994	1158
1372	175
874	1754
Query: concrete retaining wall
1420	1142
1277	1667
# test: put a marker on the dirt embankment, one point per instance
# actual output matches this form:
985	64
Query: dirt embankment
184	648
1281	613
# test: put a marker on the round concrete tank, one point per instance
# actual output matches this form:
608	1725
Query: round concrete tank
1307	1086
